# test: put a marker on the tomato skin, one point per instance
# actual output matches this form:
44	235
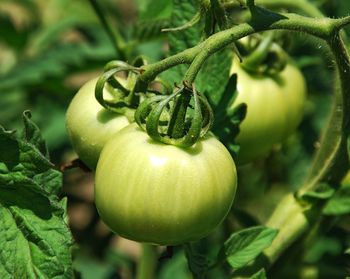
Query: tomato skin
162	194
275	107
89	125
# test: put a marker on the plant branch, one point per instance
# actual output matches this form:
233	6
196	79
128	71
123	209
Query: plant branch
331	162
265	20
147	262
300	5
116	39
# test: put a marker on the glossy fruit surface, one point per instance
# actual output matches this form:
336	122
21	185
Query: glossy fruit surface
89	125
157	193
275	107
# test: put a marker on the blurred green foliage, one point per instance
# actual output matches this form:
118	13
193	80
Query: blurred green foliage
49	48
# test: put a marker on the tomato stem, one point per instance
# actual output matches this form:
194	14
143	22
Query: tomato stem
266	20
147	263
300	5
331	161
116	38
252	62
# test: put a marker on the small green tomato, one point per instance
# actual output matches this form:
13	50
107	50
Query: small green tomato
275	107
89	125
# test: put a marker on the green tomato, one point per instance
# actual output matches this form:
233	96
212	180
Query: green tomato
162	194
275	107
89	125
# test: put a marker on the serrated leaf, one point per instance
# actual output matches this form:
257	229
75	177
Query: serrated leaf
176	268
244	246
228	119
154	9
339	204
183	12
197	262
151	29
214	75
259	275
32	134
35	238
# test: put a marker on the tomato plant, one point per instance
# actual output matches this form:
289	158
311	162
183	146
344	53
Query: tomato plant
89	125
166	179
275	105
157	193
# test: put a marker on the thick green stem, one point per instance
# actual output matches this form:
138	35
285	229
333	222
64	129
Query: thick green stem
331	162
322	28
300	5
148	262
254	60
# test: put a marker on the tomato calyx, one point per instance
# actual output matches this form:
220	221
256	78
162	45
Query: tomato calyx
125	95
264	57
180	118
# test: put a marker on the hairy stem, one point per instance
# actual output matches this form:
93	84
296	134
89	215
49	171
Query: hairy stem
331	162
300	5
265	20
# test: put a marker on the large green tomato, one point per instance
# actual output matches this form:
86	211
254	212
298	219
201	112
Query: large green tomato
274	109
89	125
162	194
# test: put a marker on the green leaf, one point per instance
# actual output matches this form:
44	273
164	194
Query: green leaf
56	61
227	119
183	12
322	246
215	74
35	238
32	134
244	246
150	30
339	204
197	262
347	251
176	268
9	148
259	275
154	9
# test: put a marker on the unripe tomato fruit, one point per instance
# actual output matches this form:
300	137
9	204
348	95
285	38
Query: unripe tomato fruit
89	125
162	194
275	107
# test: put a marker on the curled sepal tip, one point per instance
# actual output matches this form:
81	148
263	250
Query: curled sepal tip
173	119
121	91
